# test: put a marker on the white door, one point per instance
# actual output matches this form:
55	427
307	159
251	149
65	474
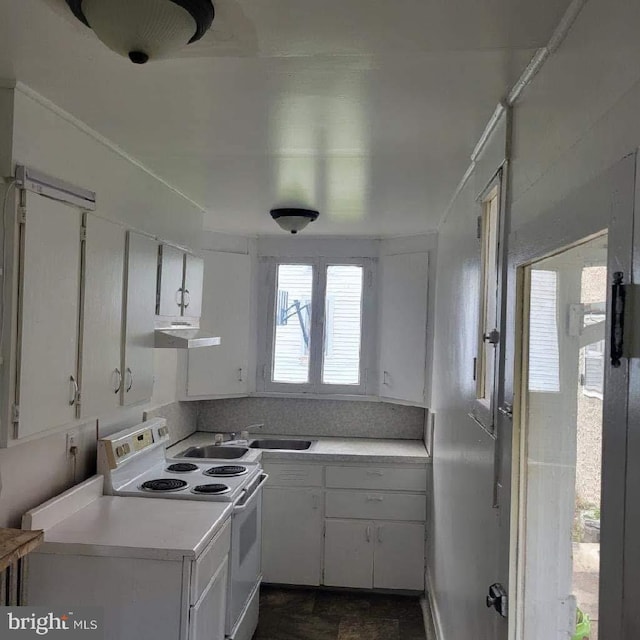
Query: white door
141	274
226	310
398	561
193	283
101	376
49	311
569	421
292	536
207	616
171	281
348	554
403	326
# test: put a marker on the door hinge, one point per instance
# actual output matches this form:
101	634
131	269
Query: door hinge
479	228
15	413
475	369
83	234
493	337
624	338
22	214
369	278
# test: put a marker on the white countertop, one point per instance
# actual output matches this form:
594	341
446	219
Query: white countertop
325	450
138	528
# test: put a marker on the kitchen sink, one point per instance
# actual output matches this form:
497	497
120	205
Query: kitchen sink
214	451
286	445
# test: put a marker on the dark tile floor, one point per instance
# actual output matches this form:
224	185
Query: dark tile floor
306	614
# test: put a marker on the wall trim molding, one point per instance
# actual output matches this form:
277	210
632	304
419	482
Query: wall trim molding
435	614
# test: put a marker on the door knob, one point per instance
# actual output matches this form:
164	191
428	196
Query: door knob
498	599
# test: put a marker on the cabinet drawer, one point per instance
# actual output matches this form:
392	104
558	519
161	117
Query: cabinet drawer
208	562
294	475
376	505
389	478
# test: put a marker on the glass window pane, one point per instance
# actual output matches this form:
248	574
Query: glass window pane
292	332
343	325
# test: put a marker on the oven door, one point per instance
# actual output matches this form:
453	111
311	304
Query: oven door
246	551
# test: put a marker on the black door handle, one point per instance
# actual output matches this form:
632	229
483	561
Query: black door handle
498	599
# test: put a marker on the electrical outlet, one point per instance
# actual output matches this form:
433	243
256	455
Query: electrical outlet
73	441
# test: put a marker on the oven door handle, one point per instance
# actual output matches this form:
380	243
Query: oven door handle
249	497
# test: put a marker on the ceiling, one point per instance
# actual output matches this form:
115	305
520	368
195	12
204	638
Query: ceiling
366	110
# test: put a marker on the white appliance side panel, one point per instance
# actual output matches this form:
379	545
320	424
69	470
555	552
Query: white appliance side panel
50	311
141	598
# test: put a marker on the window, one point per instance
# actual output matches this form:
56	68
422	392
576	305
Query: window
320	313
488	325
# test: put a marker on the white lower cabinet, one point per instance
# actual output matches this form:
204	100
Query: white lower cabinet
207	616
348	554
364	554
398	561
292	535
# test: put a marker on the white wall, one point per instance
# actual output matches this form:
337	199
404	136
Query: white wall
579	117
36	133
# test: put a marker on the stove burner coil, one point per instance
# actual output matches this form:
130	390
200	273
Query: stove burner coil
182	467
227	470
211	489
164	484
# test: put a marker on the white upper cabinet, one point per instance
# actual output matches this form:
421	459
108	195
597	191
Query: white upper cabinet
46	390
226	307
170	281
139	318
193	285
180	281
403	326
101	375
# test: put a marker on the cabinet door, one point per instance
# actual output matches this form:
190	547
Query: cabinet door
222	370
348	554
207	616
292	535
403	326
171	281
49	311
141	273
193	284
399	556
101	375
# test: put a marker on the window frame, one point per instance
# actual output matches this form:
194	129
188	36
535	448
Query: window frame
489	308
266	340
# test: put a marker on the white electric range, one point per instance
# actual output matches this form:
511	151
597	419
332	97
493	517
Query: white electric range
134	464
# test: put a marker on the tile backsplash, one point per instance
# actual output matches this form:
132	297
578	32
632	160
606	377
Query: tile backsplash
296	416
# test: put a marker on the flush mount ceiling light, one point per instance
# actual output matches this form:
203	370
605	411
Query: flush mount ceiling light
294	219
144	30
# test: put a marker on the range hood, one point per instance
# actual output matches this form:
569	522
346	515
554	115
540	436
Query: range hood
184	338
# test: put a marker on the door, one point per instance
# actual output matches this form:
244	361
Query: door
193	284
569	419
207	616
398	561
101	376
171	281
348	554
226	311
140	301
292	536
49	312
403	326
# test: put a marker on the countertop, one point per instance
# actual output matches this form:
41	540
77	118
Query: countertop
325	450
152	528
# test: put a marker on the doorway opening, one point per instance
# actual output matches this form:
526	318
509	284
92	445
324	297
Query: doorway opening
560	471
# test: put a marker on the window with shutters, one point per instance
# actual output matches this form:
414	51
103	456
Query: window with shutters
488	318
320	317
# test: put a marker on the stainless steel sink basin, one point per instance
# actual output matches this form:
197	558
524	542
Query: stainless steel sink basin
214	451
285	445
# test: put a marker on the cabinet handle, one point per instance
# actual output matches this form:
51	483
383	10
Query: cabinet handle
74	391
386	378
375	498
130	385
240	375
379	534
316	502
119	385
179	297
368	533
187	298
375	473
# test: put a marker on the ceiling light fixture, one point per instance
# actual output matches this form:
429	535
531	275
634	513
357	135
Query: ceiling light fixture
144	30
294	219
